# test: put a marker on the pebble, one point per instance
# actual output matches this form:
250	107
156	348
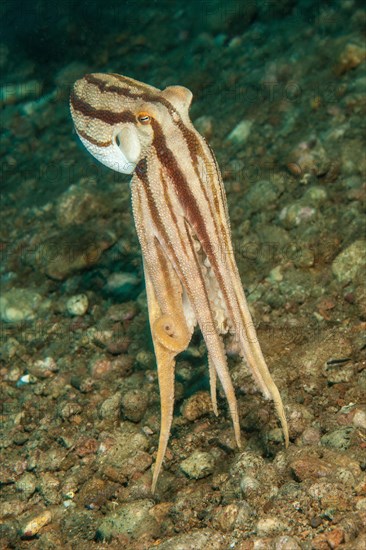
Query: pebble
263	194
249	485
315	194
96	492
286	543
134	404
338	373
198	465
48	486
338	439
269	526
310	436
77	305
359	419
79	525
27	484
132	519
21	304
296	214
10	348
197	406
25	380
241	132
226	516
35	525
351	262
69	73
309	157
110	407
298	418
361	504
43	368
311	467
200	539
124	451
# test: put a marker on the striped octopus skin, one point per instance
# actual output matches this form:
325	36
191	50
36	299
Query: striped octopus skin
181	217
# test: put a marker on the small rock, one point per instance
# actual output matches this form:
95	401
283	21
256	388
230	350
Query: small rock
48	487
359	419
146	359
125	451
240	133
133	520
69	73
43	368
337	373
35	525
310	467
80	525
361	504
360	299
310	436
263	194
134	404
338	439
249	485
10	348
269	526
77	305
86	446
226	517
95	492
197	406
200	539
111	406
275	275
286	543
335	537
298	418
296	214
27	484
357	544
351	262
309	157
315	194
198	465
21	304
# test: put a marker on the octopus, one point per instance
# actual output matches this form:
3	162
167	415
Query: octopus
181	217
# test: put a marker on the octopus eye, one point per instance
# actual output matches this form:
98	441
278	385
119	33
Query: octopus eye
144	118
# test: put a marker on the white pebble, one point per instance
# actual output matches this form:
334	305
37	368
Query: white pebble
77	305
241	132
359	420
